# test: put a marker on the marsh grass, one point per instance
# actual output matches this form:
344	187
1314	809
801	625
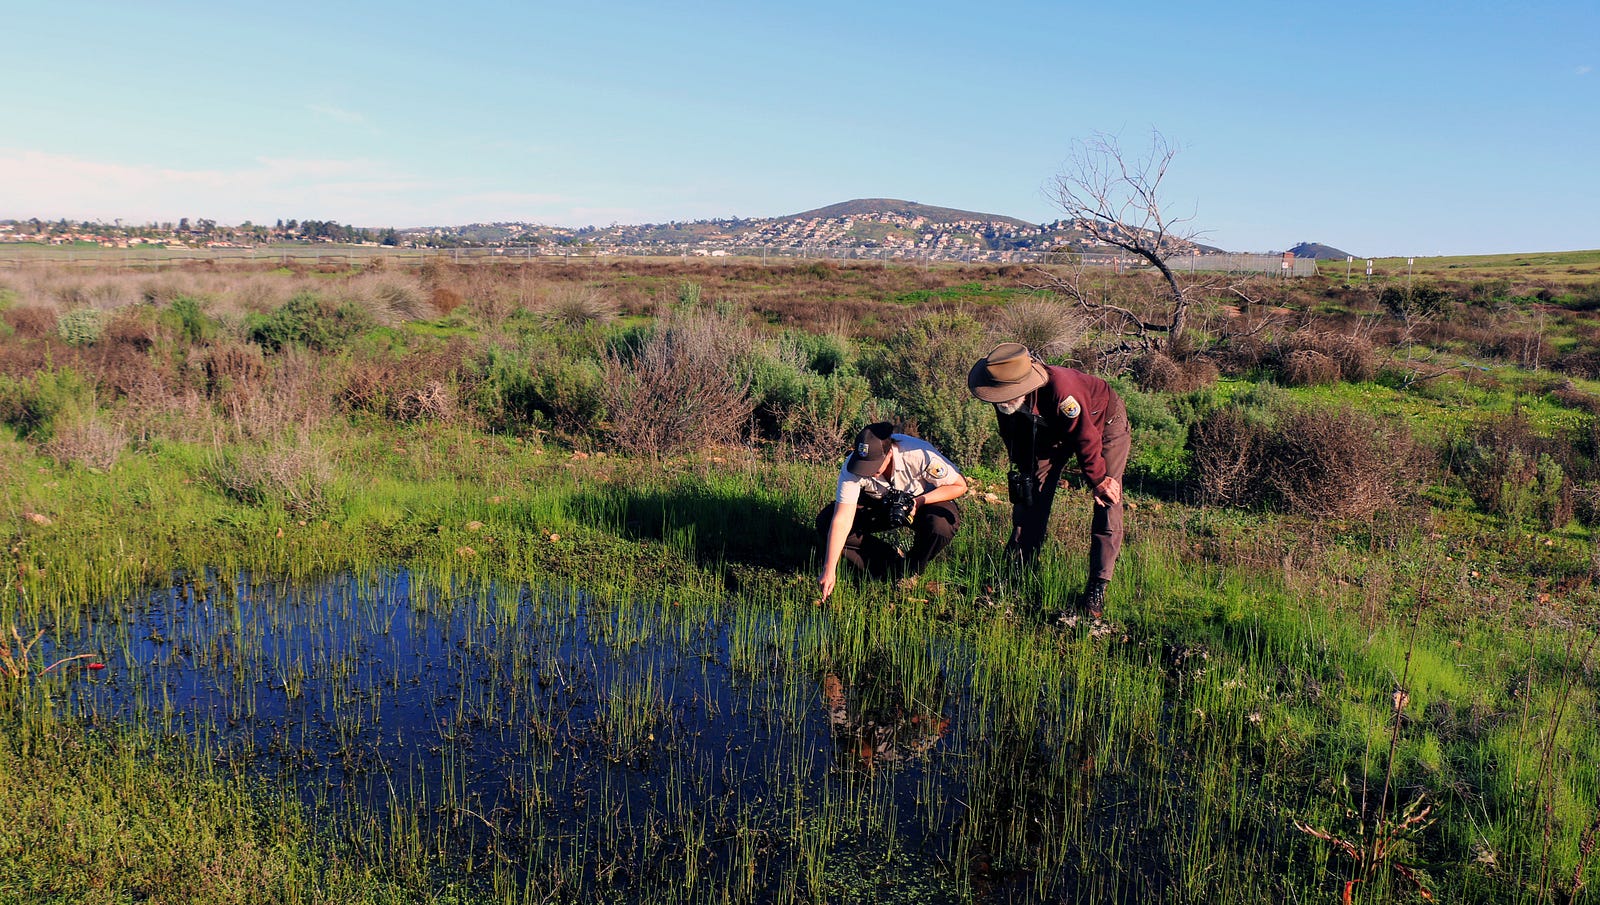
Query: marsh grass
619	684
1170	759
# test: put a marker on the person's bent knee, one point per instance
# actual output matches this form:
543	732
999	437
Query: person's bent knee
825	520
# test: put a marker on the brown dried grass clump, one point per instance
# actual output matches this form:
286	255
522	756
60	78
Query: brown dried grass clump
1307	368
30	321
1338	464
445	299
131	327
90	441
422	386
1238	355
1155	372
390	298
1314	357
233	370
297	395
1050	329
685	388
570	306
289	471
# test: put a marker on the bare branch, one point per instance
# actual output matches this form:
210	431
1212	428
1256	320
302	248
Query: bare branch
1116	200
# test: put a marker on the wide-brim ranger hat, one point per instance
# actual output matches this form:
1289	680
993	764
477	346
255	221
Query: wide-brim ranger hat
1006	373
872	445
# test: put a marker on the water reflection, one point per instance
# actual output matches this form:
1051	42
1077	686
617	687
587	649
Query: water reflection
582	745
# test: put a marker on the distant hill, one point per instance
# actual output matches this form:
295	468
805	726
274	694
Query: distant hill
865	227
863	206
1318	252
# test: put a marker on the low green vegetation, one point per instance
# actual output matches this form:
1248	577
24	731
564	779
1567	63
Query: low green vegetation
1351	646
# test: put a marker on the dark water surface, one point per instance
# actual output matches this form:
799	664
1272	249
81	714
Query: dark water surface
569	744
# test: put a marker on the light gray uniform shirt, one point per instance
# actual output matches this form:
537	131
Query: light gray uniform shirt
918	467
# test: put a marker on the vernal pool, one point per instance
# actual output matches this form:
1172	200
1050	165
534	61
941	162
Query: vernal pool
561	744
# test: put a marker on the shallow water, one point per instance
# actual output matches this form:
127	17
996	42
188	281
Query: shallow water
568	745
551	729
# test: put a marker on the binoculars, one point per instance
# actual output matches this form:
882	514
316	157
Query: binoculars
1023	485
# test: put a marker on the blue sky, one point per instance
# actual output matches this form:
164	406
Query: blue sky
1382	129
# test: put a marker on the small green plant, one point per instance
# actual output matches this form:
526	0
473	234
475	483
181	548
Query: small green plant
80	327
924	369
33	404
308	320
188	319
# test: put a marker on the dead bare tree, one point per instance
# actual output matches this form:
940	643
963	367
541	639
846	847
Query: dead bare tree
1115	199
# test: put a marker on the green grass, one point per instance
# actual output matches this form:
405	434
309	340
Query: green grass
1556	267
1234	697
1248	681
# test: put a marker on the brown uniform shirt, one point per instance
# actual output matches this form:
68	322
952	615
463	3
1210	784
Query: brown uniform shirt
1065	417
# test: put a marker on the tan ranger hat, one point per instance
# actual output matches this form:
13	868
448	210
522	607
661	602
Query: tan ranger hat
1008	372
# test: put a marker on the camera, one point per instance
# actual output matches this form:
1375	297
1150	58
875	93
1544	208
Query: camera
900	503
1023	485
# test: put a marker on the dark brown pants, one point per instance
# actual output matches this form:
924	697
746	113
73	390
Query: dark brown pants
1030	524
932	530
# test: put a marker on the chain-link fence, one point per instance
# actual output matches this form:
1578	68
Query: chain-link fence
320	254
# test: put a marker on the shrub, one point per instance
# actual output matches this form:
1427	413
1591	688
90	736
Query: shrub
1339	464
1159	453
80	327
1050	328
808	394
33	404
541	384
686	386
1512	472
832	409
307	320
1421	300
88	440
923	368
1342	464
1225	452
1586	503
290	473
186	317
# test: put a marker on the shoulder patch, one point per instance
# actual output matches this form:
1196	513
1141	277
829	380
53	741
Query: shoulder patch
937	471
1070	407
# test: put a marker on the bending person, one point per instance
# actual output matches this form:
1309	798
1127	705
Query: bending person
1048	415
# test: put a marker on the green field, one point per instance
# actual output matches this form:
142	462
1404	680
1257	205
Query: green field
1350	648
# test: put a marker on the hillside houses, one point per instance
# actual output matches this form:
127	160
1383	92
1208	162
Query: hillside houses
853	229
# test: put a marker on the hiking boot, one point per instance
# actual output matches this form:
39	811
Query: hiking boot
1093	599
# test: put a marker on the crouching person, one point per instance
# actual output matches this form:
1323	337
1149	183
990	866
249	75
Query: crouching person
889	481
